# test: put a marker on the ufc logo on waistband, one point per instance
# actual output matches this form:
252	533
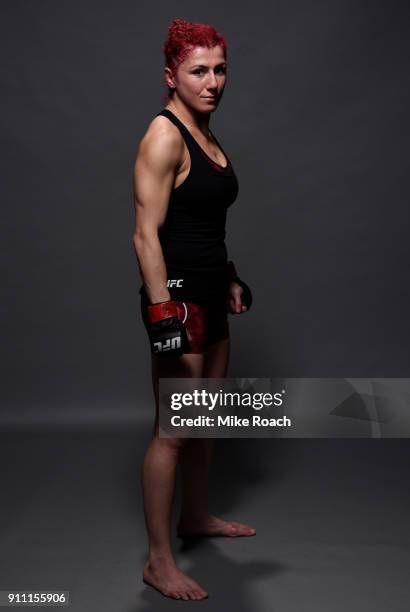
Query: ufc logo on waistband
175	282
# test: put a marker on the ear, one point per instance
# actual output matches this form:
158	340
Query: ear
169	78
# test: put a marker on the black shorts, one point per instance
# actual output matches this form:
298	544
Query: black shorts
205	322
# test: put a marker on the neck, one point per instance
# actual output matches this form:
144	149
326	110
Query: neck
189	116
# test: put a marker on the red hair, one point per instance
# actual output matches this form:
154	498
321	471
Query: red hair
183	36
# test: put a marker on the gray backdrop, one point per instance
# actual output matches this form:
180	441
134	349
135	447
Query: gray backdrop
315	120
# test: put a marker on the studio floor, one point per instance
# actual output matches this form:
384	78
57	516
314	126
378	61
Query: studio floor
332	520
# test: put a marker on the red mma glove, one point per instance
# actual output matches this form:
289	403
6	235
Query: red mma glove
166	332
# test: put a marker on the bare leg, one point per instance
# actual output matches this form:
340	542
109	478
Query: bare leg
158	479
195	518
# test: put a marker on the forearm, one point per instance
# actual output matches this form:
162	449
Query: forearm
231	273
152	267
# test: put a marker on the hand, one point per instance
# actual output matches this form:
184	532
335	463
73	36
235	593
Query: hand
234	300
166	331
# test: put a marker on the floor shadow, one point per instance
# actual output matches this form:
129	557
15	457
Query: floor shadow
229	581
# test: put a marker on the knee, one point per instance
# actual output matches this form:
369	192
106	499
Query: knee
174	446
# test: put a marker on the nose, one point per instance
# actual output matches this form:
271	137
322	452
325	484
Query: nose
212	82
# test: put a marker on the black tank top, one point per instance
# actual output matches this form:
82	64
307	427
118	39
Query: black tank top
193	234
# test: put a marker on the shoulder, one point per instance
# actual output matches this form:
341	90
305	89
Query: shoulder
162	142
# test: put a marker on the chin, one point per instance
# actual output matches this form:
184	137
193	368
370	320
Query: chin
209	106
202	108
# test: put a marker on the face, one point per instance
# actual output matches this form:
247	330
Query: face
200	79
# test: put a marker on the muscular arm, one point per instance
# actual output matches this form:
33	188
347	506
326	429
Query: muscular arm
158	158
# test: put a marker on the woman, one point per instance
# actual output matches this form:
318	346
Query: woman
184	183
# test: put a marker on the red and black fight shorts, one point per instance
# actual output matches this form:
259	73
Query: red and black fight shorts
205	322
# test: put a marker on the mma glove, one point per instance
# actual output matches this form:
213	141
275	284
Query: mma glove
166	332
232	277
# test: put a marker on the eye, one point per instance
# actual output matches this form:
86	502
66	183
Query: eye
221	69
198	71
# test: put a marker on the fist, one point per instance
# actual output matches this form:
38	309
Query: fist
234	300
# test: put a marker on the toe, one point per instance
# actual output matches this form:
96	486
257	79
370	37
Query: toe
242	529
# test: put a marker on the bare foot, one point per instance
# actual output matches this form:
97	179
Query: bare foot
213	526
164	576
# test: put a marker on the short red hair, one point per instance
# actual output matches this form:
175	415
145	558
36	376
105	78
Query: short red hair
183	36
